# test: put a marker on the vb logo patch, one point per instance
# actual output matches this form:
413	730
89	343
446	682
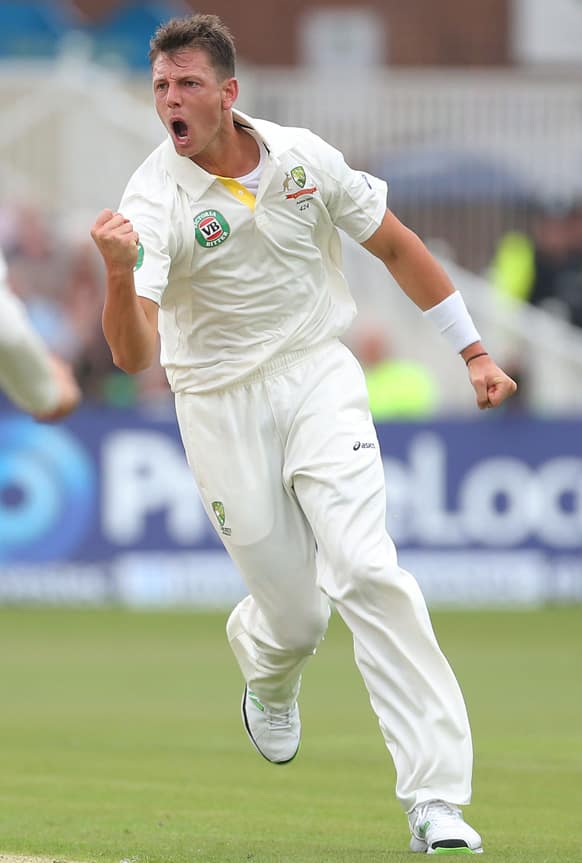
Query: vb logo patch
211	229
218	509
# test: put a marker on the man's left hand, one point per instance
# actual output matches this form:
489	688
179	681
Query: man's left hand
492	386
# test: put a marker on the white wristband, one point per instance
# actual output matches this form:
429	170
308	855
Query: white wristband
452	319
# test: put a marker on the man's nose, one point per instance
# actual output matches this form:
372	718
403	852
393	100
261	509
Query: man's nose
173	96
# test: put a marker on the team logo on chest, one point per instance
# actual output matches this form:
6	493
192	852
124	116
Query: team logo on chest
211	229
299	176
298	193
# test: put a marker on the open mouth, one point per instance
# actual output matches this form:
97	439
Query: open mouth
180	130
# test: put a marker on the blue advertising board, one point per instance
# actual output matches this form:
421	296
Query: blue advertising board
103	508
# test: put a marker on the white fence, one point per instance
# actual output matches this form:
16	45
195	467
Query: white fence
72	133
530	125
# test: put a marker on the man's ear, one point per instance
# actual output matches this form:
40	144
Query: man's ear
229	93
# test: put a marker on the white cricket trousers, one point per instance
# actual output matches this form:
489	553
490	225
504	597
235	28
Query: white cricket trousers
289	470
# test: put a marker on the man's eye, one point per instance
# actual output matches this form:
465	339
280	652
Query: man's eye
192	84
161	86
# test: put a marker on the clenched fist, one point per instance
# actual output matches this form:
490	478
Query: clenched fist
492	386
116	240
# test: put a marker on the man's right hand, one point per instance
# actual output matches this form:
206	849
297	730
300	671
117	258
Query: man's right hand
130	322
116	240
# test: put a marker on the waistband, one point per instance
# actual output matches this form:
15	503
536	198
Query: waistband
276	365
281	363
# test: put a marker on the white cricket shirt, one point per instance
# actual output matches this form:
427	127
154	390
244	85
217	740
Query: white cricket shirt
238	285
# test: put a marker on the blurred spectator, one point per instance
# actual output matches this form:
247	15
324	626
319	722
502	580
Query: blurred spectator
545	268
398	389
153	391
38	263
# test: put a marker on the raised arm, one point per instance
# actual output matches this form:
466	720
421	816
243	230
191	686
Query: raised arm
423	280
130	323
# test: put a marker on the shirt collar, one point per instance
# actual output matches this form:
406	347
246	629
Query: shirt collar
277	139
195	180
187	174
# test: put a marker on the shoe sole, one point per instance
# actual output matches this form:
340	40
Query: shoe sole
417	849
252	739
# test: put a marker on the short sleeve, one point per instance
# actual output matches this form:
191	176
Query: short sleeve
153	226
355	200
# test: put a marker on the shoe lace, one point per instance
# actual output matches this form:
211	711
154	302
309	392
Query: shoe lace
437	812
279	720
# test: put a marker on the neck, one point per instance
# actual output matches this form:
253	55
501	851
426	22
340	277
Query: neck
233	154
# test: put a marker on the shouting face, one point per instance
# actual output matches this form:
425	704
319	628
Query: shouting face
192	100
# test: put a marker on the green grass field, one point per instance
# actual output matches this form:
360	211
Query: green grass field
120	739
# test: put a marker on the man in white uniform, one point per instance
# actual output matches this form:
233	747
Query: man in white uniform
34	379
226	240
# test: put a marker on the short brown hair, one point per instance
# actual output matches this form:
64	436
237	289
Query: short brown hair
197	31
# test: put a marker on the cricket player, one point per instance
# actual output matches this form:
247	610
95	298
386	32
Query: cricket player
226	241
34	379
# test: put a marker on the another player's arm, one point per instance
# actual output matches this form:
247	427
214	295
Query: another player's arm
423	280
33	378
130	323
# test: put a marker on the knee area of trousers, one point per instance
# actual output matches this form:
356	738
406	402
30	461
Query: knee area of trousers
302	635
371	574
